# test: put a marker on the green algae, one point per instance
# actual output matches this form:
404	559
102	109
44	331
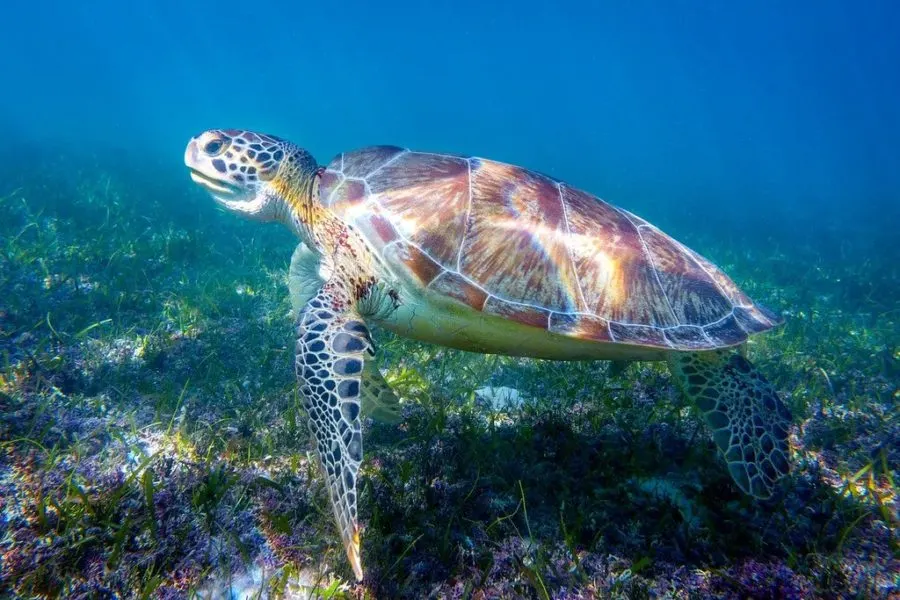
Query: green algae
151	439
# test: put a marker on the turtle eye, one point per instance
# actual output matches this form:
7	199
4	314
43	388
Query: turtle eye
213	147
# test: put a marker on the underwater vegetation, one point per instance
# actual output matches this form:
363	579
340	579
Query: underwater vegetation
152	444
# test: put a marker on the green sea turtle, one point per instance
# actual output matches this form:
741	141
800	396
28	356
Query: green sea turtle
489	257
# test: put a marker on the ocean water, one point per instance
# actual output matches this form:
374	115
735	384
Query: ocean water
151	440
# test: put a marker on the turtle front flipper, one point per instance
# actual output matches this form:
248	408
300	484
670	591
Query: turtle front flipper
303	277
749	422
378	400
333	345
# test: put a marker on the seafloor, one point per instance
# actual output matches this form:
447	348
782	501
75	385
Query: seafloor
152	445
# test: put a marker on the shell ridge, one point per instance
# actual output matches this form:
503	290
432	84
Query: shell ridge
736	320
647	255
565	212
662	330
655	269
370	195
402	238
462	243
335	188
706	335
391	243
387	163
715	282
442	154
720	319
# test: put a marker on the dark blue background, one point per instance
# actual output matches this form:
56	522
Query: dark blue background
740	114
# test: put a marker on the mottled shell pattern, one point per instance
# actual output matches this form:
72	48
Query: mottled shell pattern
520	245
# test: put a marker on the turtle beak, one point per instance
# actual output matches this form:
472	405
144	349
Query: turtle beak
206	176
191	154
217	188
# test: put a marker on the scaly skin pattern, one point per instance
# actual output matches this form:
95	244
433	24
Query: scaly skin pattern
749	422
485	256
333	344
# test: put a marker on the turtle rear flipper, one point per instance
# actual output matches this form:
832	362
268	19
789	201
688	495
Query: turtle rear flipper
749	422
333	344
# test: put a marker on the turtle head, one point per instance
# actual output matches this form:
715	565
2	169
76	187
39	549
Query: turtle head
255	175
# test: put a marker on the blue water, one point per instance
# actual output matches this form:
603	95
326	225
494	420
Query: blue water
756	115
765	134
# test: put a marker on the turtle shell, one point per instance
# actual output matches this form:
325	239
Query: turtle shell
514	243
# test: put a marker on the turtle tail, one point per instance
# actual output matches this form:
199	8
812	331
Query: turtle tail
749	422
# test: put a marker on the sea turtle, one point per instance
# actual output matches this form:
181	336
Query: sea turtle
490	257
